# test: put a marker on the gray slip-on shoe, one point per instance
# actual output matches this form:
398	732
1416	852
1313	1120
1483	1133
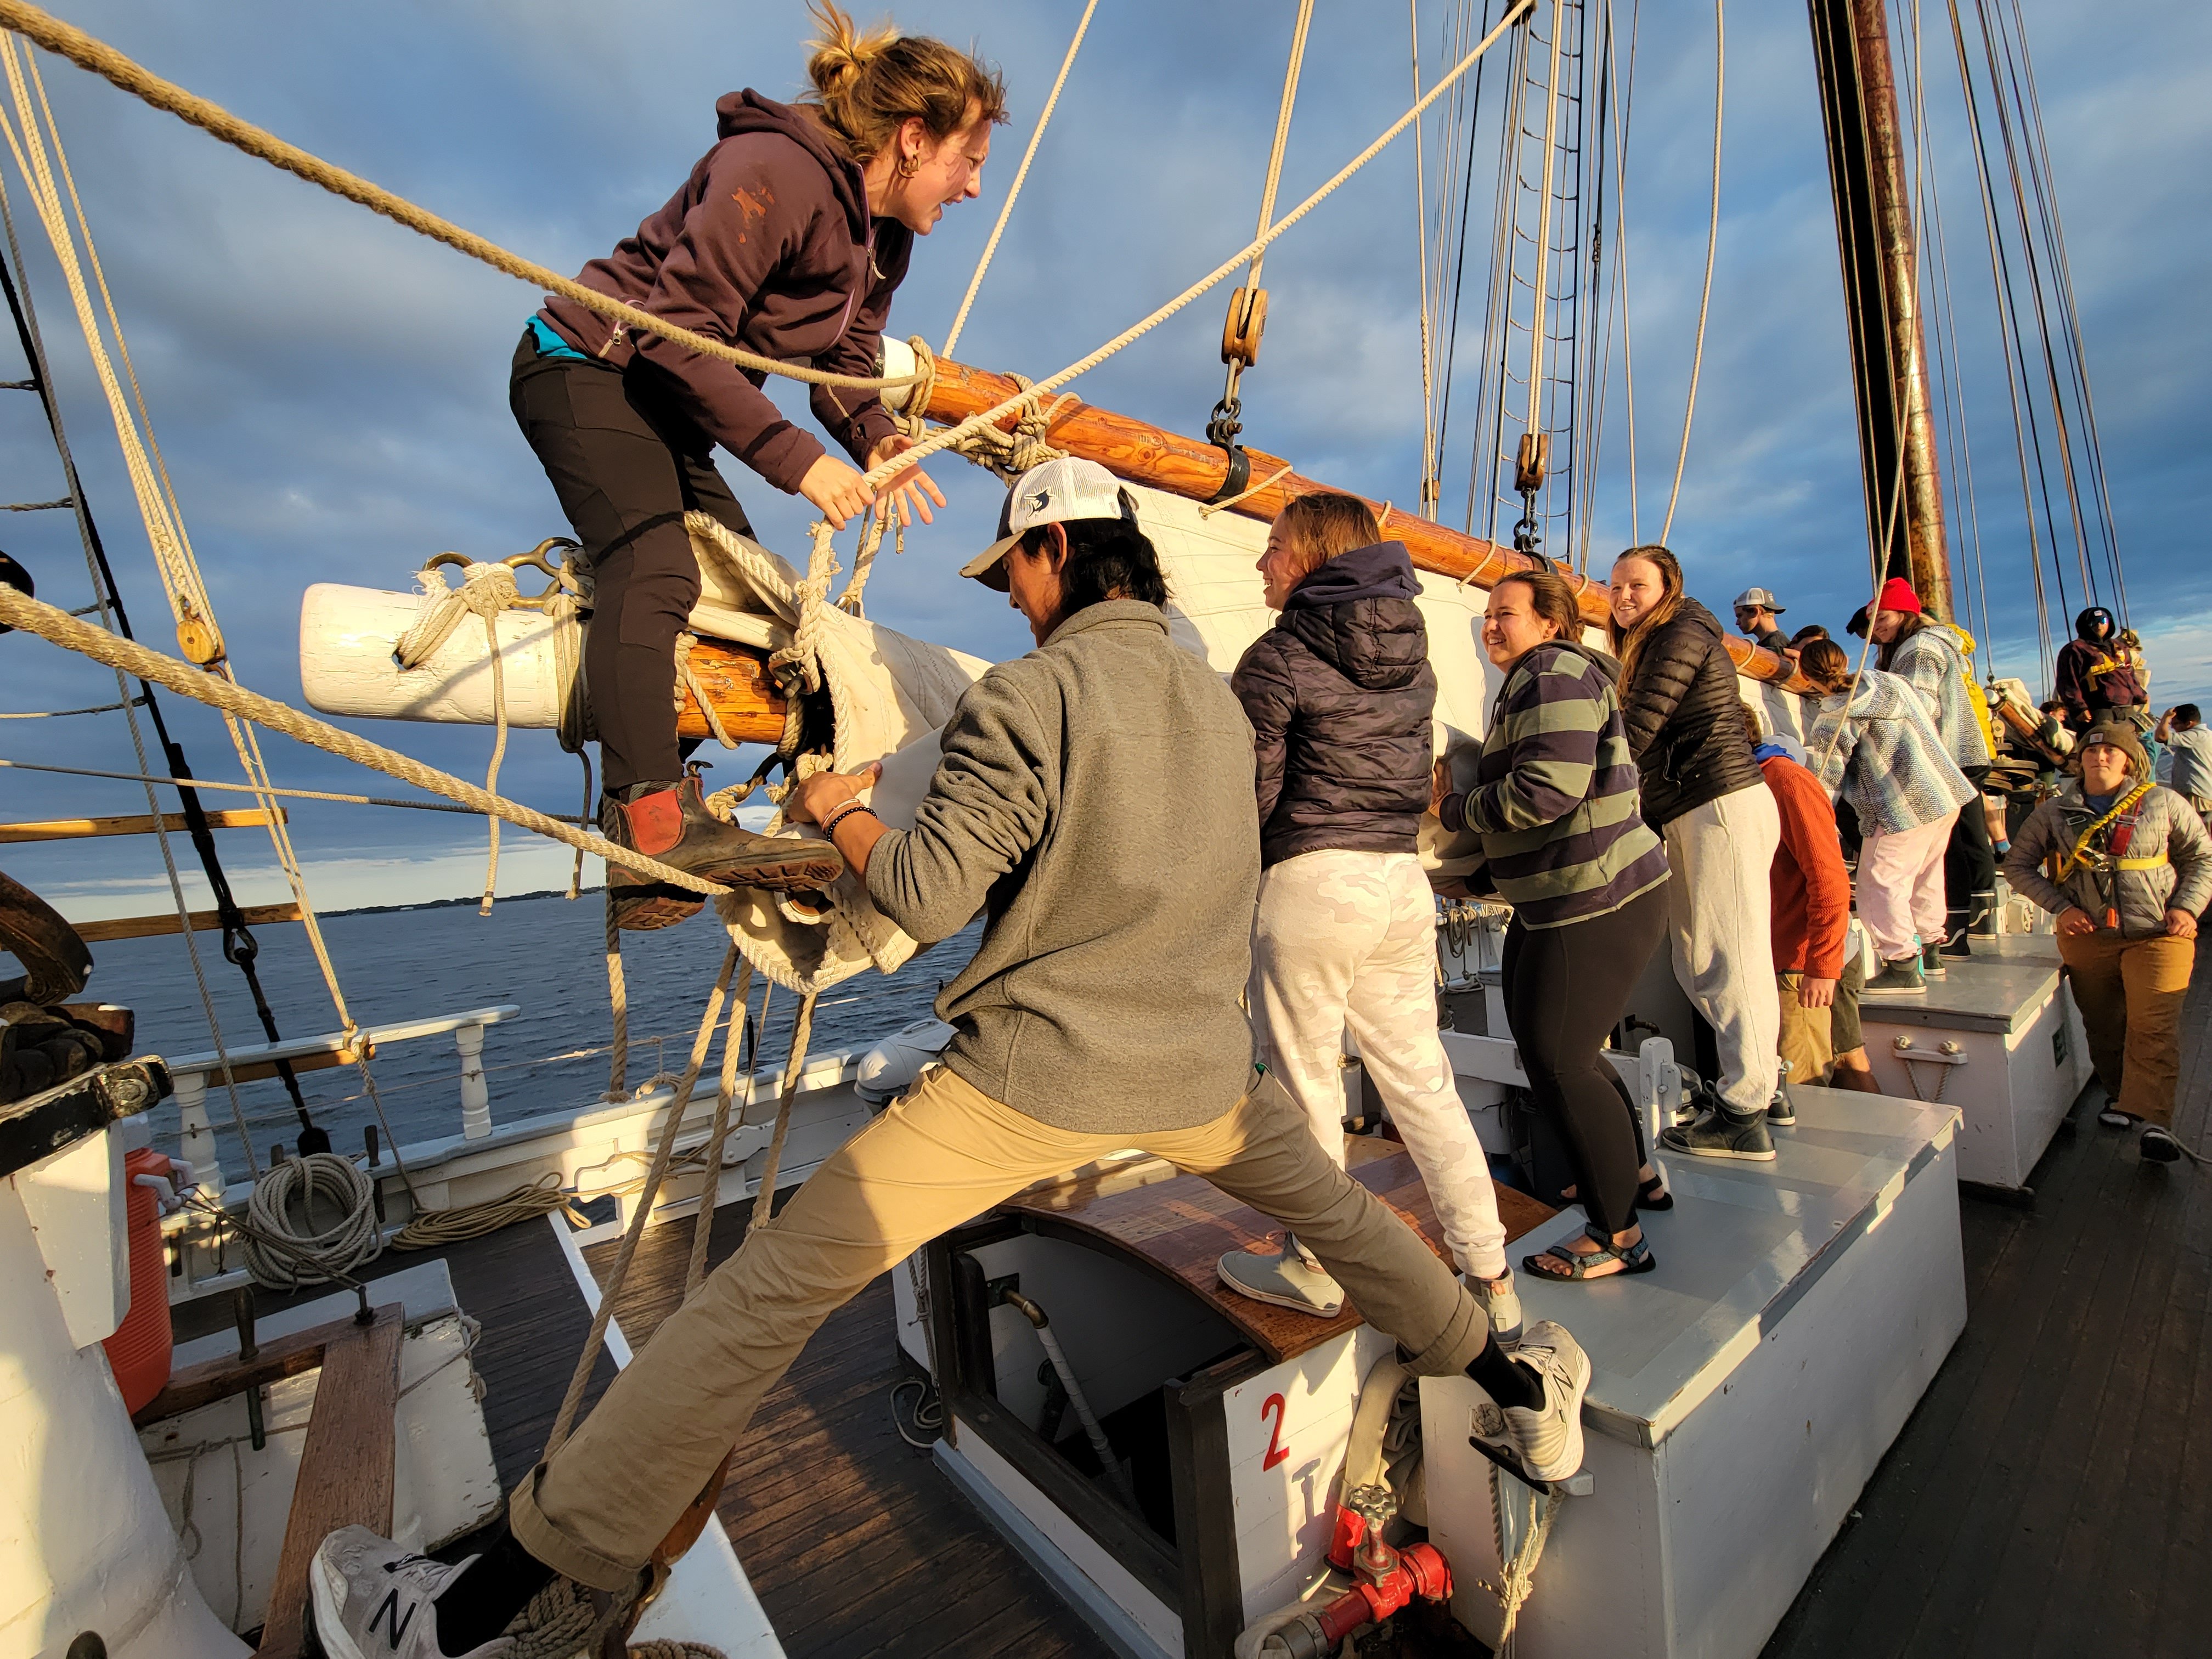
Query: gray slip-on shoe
1283	1280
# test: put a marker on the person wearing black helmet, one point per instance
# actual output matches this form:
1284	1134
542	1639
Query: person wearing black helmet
2093	680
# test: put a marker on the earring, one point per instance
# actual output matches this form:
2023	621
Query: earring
909	165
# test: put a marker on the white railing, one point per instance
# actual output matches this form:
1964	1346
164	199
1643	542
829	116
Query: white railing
192	1074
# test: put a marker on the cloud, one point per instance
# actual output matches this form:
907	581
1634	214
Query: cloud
329	389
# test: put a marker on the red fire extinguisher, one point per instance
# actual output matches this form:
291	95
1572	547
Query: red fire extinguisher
139	1352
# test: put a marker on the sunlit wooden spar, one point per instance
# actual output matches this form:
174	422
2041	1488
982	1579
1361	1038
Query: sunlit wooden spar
1159	459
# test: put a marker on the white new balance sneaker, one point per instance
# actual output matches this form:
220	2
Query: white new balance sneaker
371	1600
1286	1279
1547	1440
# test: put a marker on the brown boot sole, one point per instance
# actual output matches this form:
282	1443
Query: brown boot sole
804	871
650	915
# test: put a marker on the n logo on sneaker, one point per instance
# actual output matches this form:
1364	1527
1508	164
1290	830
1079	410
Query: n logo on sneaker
395	1622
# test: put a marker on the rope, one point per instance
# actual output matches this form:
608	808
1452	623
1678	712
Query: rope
486	590
1712	243
1208	509
1291	77
58	628
57	714
687	682
1430	489
565	1418
95	560
249	789
991	246
710	1156
432	1228
764	1197
950	436
96	56
284	1257
1006	452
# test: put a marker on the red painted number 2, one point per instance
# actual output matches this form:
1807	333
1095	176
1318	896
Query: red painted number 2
1277	1451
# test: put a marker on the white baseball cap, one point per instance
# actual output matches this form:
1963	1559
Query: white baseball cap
1058	492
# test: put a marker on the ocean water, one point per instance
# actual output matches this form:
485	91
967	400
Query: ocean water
545	954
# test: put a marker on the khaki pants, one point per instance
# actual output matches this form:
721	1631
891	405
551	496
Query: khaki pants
940	1155
2130	991
1806	1041
1349	939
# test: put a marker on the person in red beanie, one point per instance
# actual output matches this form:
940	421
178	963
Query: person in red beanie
1936	659
1812	911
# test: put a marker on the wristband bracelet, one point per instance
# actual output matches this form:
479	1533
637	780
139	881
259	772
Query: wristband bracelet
845	812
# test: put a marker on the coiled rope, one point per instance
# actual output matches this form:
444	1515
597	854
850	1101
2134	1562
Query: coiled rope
285	1257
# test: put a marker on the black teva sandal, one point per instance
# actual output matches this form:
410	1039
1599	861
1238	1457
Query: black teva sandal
1635	1258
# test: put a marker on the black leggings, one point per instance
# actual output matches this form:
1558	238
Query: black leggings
627	465
1970	864
1565	989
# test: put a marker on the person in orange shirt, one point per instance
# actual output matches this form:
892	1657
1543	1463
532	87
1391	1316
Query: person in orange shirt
1811	916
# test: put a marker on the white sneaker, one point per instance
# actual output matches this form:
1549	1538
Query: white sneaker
1284	1280
1501	1304
372	1600
1548	1441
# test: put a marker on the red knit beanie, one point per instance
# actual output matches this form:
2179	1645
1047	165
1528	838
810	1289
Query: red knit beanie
1897	594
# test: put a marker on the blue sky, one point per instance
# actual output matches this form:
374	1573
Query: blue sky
330	390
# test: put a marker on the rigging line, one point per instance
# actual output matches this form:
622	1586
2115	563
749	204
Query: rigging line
1540	322
108	600
2046	215
2000	281
251	789
100	58
1290	76
945	437
1459	278
1428	506
58	714
2073	313
181	577
2042	311
1497	326
1712	245
1602	298
1013	193
1621	117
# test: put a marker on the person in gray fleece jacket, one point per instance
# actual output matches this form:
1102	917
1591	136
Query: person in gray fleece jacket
2126	867
1095	802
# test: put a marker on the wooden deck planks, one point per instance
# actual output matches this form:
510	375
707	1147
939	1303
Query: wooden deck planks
2052	1495
855	1541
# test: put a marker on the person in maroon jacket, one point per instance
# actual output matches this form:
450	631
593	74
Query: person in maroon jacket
1811	917
788	240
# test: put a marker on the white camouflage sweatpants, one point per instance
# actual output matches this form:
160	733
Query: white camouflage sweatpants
1348	940
1718	908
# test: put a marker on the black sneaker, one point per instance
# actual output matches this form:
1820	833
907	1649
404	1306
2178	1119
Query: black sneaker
1723	1134
2157	1147
1931	962
1781	1110
1901	978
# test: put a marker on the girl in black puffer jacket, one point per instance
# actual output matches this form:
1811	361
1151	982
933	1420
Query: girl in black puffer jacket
1340	694
1705	795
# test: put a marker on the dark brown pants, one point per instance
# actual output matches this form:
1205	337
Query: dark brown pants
627	465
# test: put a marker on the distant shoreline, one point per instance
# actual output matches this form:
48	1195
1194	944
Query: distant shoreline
466	898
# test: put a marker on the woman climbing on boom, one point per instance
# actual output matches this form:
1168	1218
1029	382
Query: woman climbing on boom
788	241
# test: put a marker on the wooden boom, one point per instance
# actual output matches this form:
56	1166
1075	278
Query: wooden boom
736	678
1191	467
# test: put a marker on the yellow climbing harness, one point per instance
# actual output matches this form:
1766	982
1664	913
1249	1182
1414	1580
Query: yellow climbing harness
2085	857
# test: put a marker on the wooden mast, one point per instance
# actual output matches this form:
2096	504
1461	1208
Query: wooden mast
1882	293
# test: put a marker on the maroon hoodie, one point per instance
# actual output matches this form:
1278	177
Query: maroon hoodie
769	247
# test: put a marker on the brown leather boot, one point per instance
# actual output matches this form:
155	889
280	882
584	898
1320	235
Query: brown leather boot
673	825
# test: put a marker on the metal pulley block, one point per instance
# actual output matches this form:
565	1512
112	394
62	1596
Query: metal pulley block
1241	329
1531	462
